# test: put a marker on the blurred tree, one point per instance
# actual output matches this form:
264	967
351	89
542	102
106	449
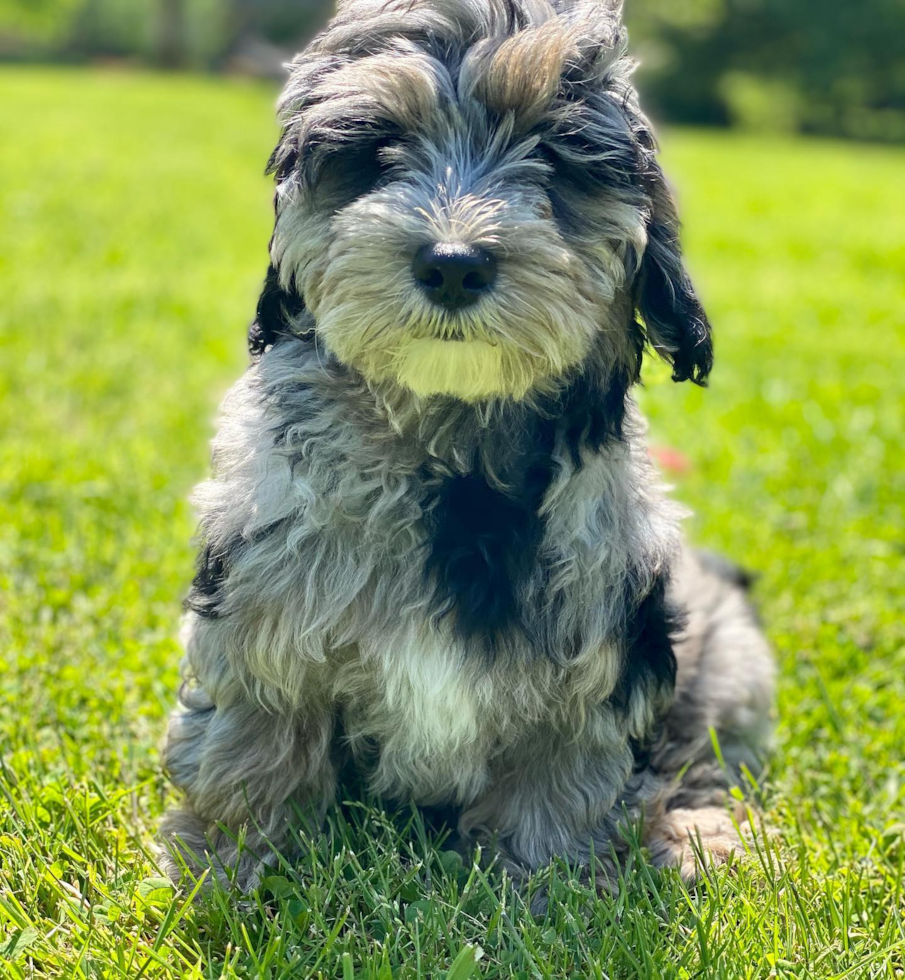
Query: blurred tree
111	29
171	18
284	23
36	21
835	67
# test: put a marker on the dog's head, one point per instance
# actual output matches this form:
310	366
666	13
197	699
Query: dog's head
468	201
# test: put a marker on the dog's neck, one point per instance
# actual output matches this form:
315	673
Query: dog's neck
578	414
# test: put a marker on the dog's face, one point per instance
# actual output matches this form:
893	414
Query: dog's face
468	202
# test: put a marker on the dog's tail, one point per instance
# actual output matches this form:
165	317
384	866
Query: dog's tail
726	570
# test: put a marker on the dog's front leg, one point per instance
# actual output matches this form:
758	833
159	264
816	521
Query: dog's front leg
563	796
245	771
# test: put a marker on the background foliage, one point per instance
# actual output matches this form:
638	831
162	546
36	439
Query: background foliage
833	67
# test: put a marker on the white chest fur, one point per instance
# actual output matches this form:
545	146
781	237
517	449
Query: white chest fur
430	714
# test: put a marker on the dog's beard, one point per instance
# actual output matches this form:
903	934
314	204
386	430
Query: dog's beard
535	326
469	369
472	360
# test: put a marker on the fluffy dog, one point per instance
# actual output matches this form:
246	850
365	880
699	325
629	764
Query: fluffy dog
434	548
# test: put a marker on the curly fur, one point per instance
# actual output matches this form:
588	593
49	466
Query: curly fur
434	546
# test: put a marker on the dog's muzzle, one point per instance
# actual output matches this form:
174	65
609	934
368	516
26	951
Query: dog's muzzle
454	275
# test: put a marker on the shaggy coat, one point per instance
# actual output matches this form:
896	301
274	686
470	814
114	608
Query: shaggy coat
434	547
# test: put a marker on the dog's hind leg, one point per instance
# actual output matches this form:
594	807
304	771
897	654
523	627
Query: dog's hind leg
245	773
724	693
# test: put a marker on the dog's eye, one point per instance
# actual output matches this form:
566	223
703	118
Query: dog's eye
562	188
354	170
569	172
587	169
568	187
566	172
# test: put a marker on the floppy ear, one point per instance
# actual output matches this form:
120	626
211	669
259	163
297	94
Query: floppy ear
280	313
676	324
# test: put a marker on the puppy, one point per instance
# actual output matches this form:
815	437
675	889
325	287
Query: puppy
434	547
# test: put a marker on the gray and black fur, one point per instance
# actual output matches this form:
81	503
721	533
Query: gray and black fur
469	583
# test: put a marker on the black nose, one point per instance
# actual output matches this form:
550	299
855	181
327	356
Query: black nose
454	275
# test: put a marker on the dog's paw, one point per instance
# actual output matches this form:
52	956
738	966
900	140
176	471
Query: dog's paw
192	849
184	849
682	838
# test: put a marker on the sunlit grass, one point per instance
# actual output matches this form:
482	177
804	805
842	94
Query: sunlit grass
132	242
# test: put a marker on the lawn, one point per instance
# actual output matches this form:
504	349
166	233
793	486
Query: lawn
134	224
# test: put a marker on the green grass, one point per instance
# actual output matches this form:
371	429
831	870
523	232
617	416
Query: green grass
132	241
